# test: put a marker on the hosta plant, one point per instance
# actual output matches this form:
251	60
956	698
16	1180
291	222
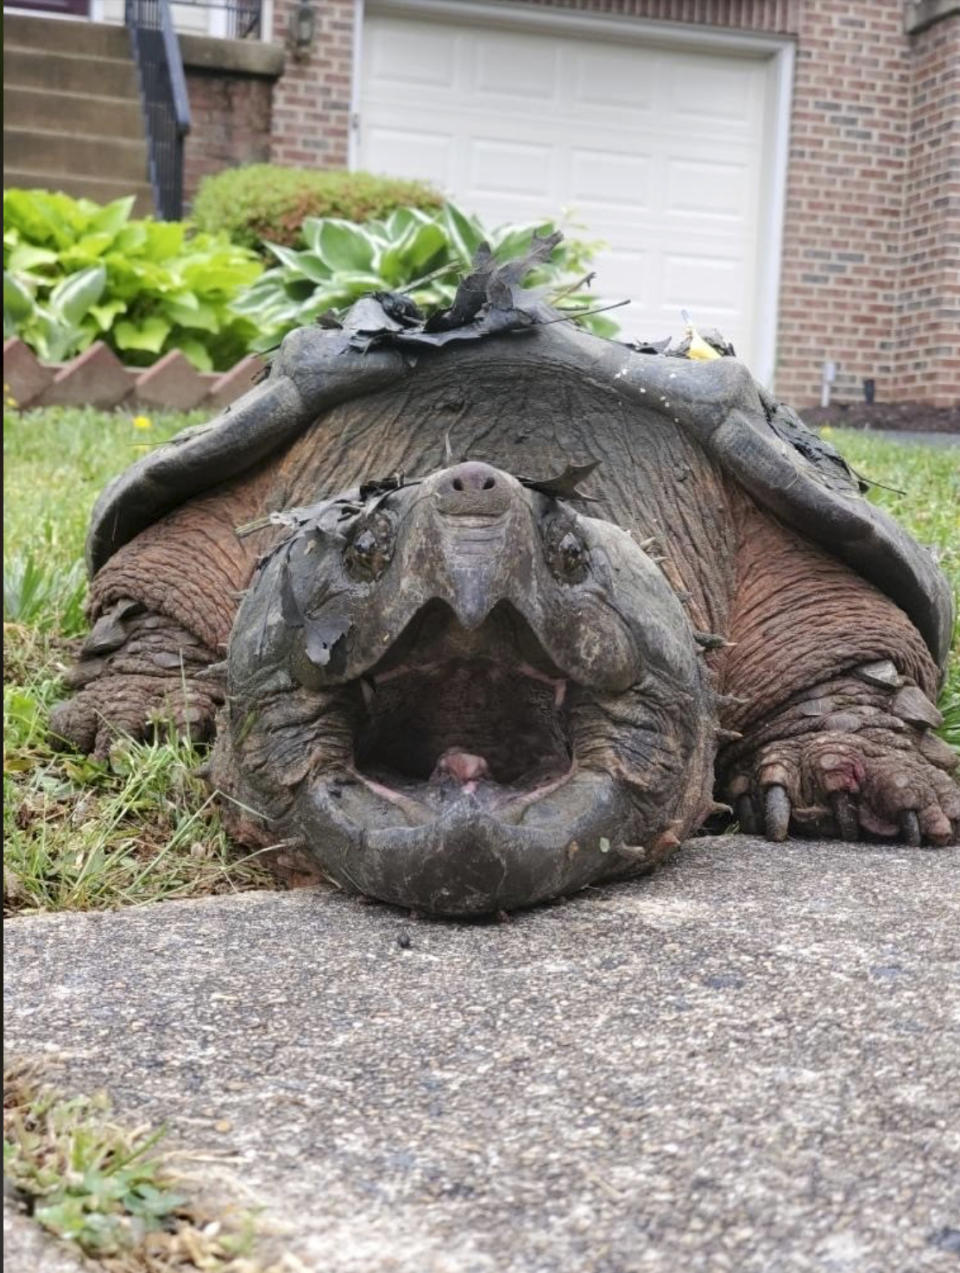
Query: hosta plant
76	272
421	254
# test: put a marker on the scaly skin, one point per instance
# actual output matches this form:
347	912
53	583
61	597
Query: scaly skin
156	677
162	608
836	703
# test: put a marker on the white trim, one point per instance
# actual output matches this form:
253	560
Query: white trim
266	21
353	124
779	50
778	149
12	10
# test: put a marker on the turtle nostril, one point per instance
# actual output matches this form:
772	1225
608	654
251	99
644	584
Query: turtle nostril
477	484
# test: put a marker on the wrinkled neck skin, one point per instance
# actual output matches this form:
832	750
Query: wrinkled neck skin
466	695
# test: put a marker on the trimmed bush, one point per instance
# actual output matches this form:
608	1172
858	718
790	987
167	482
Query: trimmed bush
266	203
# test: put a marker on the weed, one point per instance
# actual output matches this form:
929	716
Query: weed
93	1182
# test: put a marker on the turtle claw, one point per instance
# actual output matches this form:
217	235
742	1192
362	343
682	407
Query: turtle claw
875	783
776	813
910	828
747	815
845	815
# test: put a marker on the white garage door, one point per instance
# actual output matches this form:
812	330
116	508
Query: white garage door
657	150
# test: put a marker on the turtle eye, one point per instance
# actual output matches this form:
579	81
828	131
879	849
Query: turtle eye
368	553
566	553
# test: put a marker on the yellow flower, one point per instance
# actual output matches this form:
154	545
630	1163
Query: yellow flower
826	431
142	422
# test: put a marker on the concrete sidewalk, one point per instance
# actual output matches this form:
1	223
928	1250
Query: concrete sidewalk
748	1062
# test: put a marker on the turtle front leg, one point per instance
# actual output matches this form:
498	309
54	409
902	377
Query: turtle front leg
849	756
138	672
162	608
830	730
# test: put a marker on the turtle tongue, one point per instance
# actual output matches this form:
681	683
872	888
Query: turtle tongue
466	768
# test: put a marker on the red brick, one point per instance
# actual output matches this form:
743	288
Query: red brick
94	378
171	382
24	376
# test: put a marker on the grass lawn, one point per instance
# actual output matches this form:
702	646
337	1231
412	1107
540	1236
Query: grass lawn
82	836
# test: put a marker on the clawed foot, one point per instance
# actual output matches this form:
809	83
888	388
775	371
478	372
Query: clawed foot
138	674
889	785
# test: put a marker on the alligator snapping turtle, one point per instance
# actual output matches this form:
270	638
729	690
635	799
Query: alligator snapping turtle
510	604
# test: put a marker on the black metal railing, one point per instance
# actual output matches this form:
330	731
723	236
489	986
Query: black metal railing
241	18
163	96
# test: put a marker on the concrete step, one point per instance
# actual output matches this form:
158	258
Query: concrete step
88	39
69	73
101	191
59	155
72	113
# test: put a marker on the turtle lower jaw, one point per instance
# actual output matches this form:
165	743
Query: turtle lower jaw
469	858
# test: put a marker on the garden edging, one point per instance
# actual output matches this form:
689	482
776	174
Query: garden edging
97	378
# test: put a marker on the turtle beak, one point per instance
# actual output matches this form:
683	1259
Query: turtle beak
475	507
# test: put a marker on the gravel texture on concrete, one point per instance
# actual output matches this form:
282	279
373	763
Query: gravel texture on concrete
29	1249
749	1061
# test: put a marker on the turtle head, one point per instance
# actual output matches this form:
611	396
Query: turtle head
463	695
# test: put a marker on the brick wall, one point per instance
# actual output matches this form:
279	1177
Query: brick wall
311	103
928	311
230	124
848	146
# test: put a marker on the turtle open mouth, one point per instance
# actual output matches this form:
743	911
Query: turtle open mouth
449	712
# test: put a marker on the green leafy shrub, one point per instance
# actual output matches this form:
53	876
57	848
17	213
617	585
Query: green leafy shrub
264	203
422	254
76	272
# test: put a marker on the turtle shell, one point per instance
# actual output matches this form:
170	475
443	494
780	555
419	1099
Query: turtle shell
763	445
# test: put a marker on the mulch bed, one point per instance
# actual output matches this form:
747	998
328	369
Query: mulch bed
913	417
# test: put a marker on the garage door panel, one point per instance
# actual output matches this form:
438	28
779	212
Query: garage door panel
505	69
599	179
423	58
412	153
702	282
627	275
499	167
654	150
608	77
708	189
704	91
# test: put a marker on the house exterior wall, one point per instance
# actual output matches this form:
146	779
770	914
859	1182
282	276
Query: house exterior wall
870	275
928	315
845	185
311	104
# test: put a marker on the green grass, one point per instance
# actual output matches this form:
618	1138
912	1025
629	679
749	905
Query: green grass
925	499
103	1187
82	836
79	835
